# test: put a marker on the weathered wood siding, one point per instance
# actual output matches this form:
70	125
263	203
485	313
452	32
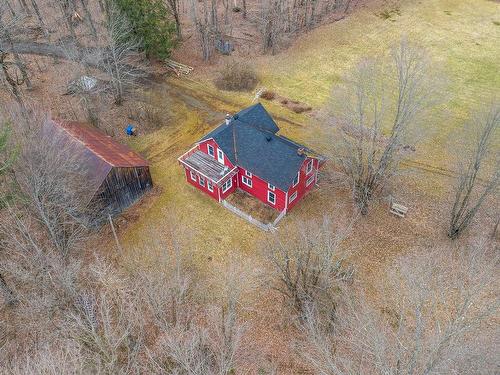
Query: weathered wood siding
122	187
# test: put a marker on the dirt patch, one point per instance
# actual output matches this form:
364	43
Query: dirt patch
252	206
292	105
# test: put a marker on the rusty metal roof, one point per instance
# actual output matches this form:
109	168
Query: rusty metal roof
101	145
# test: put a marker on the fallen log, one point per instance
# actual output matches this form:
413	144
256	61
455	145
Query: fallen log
66	50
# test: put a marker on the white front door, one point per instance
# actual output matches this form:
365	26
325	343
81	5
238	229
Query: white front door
220	156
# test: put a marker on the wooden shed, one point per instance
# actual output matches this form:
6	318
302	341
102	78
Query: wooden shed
117	175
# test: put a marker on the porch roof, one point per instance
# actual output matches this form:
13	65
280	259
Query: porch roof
206	165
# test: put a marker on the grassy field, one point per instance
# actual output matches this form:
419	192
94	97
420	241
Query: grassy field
461	37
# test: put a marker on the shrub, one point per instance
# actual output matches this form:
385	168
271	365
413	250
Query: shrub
152	23
300	108
268	95
236	76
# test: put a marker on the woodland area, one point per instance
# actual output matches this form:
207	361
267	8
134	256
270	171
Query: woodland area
77	298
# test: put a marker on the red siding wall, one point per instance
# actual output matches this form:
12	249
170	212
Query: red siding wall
259	190
196	184
301	187
233	188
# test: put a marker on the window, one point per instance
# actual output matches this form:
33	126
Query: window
246	181
292	197
310	180
248	174
202	181
193	175
210	150
210	186
271	197
271	187
309	167
220	156
227	185
296	179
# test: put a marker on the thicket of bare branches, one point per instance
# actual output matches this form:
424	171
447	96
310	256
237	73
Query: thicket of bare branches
72	315
49	173
121	58
470	191
308	267
375	113
281	19
436	318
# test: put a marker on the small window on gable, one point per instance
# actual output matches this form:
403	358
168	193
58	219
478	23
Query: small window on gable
193	175
271	197
309	166
202	181
271	187
292	197
296	179
210	150
248	174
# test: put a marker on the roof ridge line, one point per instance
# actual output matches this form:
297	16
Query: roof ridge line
234	143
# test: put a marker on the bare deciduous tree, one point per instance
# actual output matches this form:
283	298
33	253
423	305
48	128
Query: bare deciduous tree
49	171
438	320
174	6
207	26
273	23
121	58
308	267
470	192
378	110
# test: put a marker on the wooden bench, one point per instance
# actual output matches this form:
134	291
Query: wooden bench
398	210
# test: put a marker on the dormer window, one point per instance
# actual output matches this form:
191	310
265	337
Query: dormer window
210	150
271	187
220	156
248	174
309	167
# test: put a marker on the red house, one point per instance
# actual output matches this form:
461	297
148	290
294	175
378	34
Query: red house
246	152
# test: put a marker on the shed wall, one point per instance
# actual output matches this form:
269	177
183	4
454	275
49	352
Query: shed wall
122	187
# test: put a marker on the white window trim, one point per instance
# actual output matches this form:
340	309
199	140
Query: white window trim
210	186
210	147
310	180
298	179
246	181
309	167
269	193
202	181
271	187
193	175
248	174
292	197
220	156
226	186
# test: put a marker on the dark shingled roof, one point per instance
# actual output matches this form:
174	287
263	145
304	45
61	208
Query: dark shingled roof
250	141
